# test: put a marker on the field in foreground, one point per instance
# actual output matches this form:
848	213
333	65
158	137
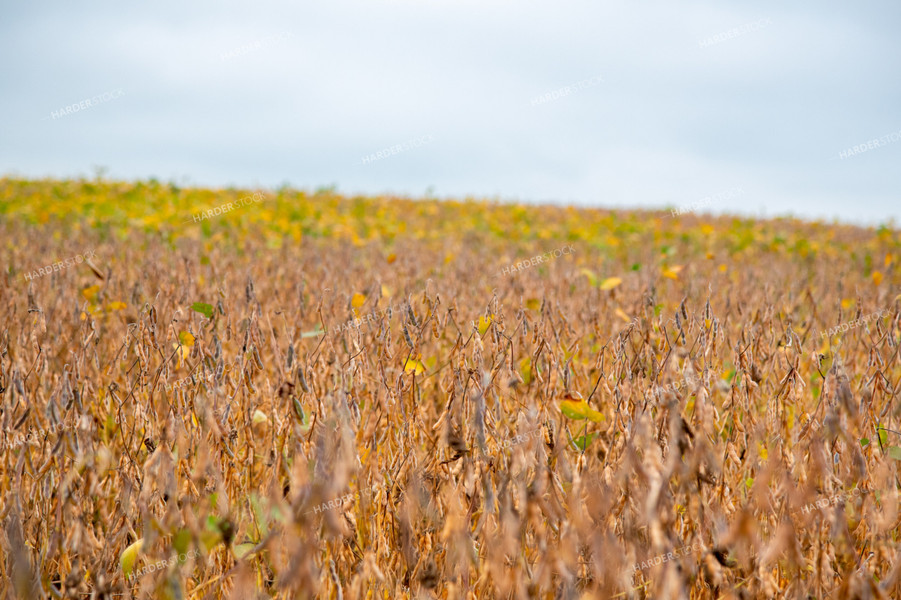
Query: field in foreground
211	394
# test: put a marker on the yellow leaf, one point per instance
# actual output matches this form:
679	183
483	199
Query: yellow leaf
525	367
449	257
672	272
610	283
186	339
414	366
358	300
259	417
592	278
722	268
619	313
116	306
580	410
533	304
90	293
484	324
877	277
129	556
391	258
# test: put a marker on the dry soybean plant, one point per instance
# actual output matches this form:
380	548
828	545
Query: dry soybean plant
652	415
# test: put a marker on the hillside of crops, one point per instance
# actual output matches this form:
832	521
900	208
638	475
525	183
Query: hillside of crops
255	393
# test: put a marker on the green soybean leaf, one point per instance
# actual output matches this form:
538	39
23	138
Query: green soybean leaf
203	308
582	441
243	550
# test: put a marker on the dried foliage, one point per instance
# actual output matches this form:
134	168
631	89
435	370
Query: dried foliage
654	414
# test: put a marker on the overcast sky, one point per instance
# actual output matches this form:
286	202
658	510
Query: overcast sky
669	112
